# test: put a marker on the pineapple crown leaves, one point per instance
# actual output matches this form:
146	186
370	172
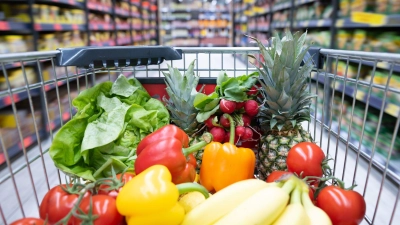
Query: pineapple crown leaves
284	81
181	90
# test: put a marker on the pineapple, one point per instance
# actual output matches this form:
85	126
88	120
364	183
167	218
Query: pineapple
286	100
181	90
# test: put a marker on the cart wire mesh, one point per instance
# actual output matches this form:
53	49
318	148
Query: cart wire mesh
355	106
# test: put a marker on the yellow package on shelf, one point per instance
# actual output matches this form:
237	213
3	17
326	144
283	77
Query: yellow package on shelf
16	78
7	118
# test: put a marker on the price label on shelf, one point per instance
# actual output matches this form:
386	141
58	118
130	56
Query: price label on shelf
372	19
320	23
4	25
57	27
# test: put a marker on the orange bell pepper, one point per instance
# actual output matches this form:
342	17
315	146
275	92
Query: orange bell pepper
225	164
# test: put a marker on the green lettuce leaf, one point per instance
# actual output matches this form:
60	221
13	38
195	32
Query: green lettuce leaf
111	120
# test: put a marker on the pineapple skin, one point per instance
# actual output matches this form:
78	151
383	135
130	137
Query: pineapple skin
274	148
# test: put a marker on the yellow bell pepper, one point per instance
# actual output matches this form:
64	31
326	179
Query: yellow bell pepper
152	198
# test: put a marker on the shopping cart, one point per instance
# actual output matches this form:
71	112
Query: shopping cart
27	172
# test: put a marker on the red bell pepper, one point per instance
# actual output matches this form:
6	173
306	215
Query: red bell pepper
164	132
167	148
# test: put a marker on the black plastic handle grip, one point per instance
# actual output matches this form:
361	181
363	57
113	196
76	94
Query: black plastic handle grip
119	56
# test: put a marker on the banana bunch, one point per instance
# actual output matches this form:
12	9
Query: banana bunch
257	202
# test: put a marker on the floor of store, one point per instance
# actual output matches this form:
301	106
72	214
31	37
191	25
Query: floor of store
31	188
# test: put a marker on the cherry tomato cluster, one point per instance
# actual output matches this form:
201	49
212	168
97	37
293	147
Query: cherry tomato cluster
97	205
308	161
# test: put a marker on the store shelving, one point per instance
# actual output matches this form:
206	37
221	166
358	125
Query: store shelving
32	139
198	24
99	7
362	96
312	24
387	21
13	26
45	23
77	4
281	6
58	27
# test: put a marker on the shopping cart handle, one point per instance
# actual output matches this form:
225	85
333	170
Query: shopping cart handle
119	56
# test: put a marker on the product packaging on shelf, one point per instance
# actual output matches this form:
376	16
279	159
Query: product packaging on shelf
16	12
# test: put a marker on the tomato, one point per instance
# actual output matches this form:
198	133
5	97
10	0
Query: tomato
57	203
104	207
276	175
305	159
104	189
344	207
28	221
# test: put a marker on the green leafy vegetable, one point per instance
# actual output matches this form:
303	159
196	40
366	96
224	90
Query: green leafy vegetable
111	120
230	88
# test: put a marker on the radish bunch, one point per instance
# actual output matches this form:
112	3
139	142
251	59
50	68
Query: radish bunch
242	114
234	96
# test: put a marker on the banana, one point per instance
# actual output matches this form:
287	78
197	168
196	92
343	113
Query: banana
263	207
316	215
294	213
222	202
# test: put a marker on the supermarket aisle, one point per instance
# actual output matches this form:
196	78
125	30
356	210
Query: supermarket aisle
27	191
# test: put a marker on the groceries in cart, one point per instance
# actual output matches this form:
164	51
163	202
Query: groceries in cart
232	154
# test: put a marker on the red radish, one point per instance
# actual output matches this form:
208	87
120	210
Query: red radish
208	122
227	106
227	136
239	131
239	105
248	134
246	120
218	134
251	107
253	91
224	121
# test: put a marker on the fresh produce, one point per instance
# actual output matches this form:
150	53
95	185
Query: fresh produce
59	201
168	146
181	90
254	201
151	198
111	187
262	207
316	215
225	164
286	100
343	206
165	132
294	213
111	120
191	200
222	202
277	175
227	106
251	107
28	221
231	97
306	159
98	210
218	134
